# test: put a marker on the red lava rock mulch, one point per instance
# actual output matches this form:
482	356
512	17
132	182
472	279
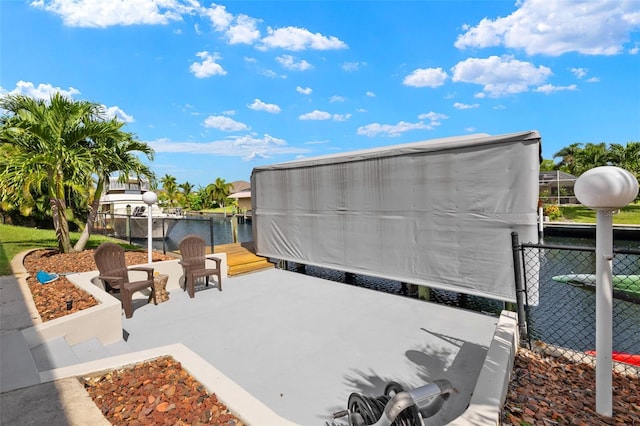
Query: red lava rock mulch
156	392
547	390
51	299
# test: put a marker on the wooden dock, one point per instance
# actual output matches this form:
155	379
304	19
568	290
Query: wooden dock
241	258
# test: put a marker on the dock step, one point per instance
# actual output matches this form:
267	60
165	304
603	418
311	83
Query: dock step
241	259
245	268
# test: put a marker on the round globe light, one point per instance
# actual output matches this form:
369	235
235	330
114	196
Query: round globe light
149	197
606	188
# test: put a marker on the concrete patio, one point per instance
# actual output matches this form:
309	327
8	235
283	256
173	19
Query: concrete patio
297	346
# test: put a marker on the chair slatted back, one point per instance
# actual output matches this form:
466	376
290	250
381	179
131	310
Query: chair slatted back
109	258
192	249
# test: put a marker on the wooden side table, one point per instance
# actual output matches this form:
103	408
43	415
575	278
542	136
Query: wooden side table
160	286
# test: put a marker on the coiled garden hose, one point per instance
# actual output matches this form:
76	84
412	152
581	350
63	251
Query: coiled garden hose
371	409
397	407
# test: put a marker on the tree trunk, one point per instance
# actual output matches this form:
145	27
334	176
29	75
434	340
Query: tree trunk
93	212
58	210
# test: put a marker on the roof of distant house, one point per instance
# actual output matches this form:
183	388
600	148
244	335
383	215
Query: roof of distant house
241	194
555	175
239	186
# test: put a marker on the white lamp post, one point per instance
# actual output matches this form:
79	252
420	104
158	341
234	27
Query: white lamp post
149	199
605	189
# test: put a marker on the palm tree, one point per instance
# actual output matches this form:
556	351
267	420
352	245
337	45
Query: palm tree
170	187
112	155
50	148
627	157
186	192
28	202
592	155
219	191
568	155
547	166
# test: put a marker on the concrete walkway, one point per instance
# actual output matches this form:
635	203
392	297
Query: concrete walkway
300	345
59	403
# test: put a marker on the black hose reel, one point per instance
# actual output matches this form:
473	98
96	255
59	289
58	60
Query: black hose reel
397	407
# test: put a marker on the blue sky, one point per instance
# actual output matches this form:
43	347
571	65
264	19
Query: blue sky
219	88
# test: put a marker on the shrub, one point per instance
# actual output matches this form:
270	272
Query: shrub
553	211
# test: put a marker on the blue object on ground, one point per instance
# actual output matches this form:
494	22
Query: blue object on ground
45	277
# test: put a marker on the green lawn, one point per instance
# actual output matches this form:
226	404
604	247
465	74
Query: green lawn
218	210
15	239
630	215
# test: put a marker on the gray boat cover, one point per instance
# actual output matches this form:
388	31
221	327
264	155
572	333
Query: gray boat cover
437	213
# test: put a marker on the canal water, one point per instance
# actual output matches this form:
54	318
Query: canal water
215	226
565	314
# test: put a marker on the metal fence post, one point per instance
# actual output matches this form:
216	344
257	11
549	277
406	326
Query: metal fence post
211	232
164	239
520	290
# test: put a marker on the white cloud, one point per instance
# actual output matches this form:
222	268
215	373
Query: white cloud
245	31
238	29
549	88
500	76
258	105
433	117
341	117
371	94
394	130
220	18
336	98
208	66
390	130
42	91
425	77
102	14
582	73
323	115
353	66
459	105
246	147
117	112
249	59
555	27
304	91
225	124
272	74
289	62
579	72
293	38
315	115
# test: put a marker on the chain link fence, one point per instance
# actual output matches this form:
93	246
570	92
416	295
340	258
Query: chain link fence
560	304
